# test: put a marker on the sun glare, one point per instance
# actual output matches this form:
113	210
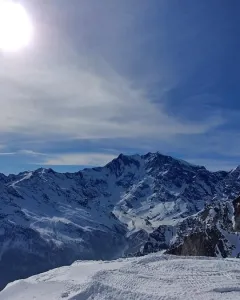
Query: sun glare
15	26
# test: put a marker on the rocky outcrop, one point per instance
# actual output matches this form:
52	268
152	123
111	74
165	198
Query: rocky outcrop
211	232
236	218
208	243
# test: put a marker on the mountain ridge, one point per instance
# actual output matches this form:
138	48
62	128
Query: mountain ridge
49	219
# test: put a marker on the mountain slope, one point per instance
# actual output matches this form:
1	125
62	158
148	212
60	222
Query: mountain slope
152	277
49	219
207	233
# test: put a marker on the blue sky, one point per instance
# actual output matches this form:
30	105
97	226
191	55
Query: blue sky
131	76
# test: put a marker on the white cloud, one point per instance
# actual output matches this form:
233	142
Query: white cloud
65	94
83	159
23	152
30	152
77	102
6	153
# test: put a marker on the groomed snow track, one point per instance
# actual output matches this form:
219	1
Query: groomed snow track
155	277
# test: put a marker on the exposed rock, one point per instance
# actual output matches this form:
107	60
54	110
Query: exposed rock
236	218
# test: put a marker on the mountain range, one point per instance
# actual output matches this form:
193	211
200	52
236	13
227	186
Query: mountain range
133	206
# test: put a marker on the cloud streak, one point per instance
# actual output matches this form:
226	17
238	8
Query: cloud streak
129	75
80	159
74	94
78	102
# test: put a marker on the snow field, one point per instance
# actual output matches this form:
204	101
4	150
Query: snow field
155	277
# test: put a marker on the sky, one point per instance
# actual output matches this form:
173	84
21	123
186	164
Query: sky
132	76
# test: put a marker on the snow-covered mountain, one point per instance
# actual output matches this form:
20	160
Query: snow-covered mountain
207	233
50	219
153	277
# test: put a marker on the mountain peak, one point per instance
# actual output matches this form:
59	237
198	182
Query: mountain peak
235	173
159	158
118	165
64	216
237	169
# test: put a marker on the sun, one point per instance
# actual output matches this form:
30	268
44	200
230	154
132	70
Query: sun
16	29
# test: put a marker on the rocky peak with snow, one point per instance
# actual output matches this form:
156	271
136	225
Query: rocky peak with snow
210	232
49	219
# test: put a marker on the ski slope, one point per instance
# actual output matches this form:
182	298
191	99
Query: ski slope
152	277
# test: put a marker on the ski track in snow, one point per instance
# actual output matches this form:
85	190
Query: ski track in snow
155	277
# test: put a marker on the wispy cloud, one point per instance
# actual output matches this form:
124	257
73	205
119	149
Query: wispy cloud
76	94
6	153
30	153
80	159
78	102
110	75
23	152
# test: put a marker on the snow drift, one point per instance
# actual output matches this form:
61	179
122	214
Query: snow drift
155	277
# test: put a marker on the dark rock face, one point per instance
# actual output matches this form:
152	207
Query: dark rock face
236	205
200	244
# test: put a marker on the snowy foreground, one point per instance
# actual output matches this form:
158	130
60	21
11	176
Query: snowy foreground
151	277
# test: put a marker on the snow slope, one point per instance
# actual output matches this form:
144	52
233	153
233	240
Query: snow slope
152	277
